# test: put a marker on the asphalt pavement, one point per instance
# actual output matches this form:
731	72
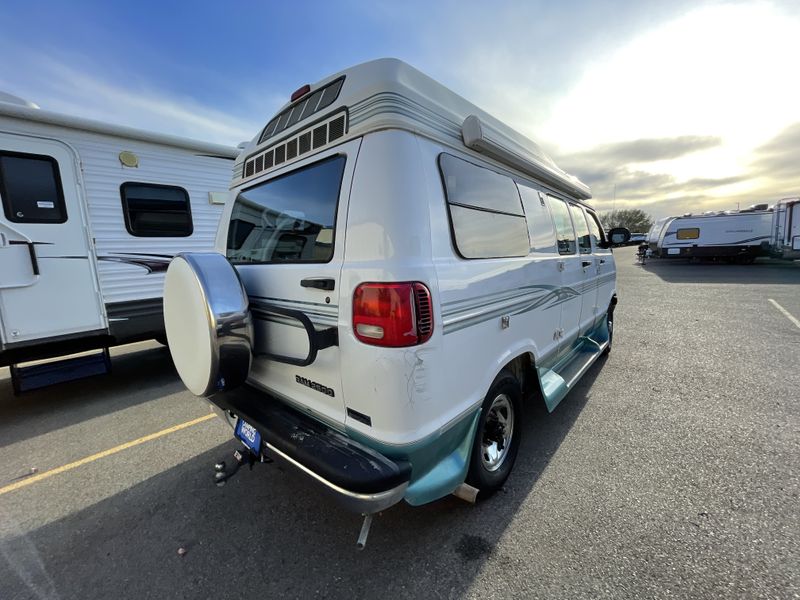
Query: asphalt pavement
671	471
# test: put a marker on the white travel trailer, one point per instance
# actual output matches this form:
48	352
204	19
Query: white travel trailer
91	215
736	236
397	274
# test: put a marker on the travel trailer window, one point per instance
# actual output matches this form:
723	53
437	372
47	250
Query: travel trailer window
689	233
485	211
292	218
156	210
540	224
564	231
582	229
30	186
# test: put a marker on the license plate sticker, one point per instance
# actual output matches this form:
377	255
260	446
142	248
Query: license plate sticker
249	435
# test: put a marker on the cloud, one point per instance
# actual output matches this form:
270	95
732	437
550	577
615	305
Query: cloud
86	92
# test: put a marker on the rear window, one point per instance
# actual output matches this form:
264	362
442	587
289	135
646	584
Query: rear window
291	218
30	187
689	233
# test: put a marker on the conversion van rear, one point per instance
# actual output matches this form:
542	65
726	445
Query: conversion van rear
397	275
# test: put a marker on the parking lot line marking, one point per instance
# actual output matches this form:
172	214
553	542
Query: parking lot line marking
786	313
74	465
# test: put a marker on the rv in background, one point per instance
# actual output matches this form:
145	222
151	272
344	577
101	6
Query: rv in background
736	236
91	216
786	229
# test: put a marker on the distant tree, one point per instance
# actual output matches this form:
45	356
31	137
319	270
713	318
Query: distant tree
634	219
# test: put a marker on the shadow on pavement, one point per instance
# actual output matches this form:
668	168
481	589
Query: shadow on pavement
271	533
763	271
137	377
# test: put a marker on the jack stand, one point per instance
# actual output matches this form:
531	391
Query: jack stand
221	475
362	537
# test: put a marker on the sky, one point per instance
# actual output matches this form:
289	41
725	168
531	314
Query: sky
671	107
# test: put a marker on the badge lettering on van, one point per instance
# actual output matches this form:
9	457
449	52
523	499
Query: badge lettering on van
314	385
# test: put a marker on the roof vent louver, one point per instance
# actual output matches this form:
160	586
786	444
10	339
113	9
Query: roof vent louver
302	109
300	144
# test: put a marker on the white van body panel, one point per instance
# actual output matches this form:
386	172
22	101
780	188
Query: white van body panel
541	308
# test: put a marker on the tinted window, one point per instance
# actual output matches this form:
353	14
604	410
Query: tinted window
291	218
153	210
581	228
30	187
594	229
470	185
690	233
484	234
565	235
540	224
485	211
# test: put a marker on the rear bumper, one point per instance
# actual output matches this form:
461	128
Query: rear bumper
358	477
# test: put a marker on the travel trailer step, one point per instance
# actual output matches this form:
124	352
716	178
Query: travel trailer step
33	377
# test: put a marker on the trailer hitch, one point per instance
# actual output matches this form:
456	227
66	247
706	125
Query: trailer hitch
221	472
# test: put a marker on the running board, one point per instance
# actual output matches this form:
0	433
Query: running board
25	379
562	377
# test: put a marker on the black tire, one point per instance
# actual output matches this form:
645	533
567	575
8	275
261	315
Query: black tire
610	325
482	474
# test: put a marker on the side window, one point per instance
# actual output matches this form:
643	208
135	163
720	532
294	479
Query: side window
565	234
152	210
540	224
690	233
291	218
597	233
30	187
581	228
485	211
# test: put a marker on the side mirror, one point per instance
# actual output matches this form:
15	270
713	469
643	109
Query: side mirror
619	236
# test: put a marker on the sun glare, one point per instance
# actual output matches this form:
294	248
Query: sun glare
726	71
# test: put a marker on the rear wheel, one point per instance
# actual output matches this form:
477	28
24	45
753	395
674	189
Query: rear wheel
497	439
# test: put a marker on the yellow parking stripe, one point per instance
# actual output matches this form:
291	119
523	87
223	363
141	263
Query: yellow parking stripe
74	465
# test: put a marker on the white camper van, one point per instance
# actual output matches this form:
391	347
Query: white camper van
91	216
736	236
397	275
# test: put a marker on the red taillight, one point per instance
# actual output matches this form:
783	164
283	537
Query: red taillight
300	92
392	314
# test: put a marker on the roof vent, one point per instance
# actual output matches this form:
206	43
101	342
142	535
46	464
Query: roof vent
300	144
302	109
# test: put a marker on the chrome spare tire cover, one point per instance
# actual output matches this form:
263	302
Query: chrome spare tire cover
208	322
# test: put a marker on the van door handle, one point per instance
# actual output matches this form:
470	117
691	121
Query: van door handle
586	263
319	283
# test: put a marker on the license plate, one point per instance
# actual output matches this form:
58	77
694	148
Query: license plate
249	435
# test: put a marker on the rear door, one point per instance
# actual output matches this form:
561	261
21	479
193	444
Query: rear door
48	278
286	238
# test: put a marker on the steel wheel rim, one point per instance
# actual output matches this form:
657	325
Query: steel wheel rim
497	432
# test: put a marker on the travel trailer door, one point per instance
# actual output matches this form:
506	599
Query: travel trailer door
286	238
48	280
